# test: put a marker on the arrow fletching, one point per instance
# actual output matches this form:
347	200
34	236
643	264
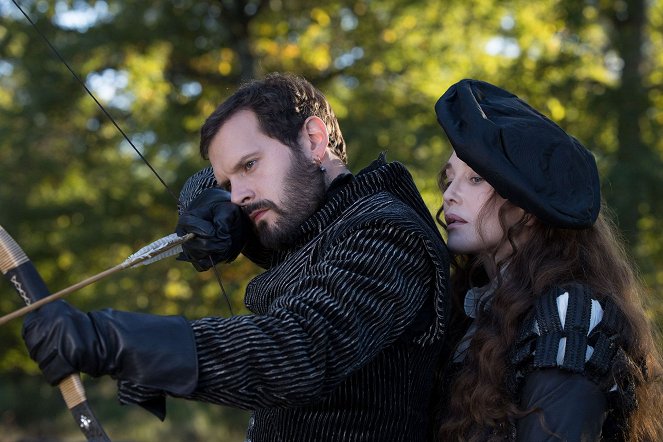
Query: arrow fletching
161	248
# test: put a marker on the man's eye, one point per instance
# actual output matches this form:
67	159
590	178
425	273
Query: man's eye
476	179
446	184
249	165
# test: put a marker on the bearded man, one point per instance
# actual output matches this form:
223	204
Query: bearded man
347	321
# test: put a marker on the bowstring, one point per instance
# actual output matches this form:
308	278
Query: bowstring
117	126
103	109
218	278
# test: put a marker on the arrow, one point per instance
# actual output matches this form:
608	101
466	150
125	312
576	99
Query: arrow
159	249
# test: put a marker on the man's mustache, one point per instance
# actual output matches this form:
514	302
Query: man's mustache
261	205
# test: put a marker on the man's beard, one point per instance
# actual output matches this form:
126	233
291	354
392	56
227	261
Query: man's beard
303	191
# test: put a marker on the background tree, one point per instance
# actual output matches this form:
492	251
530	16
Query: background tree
79	200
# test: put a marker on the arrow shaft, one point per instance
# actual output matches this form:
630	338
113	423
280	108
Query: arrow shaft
150	255
52	297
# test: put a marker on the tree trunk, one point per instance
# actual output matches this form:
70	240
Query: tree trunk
629	181
241	17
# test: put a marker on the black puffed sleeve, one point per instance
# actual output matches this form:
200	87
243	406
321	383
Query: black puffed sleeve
568	361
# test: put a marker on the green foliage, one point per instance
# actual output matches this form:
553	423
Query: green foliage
78	199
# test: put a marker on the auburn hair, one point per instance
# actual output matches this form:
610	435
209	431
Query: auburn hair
477	405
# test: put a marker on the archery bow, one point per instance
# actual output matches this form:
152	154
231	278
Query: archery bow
26	280
16	266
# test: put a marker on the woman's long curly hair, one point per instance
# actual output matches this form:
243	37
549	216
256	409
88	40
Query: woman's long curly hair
478	405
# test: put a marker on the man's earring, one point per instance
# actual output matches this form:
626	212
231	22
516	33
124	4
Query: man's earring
322	168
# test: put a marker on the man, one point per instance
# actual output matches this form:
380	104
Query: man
349	316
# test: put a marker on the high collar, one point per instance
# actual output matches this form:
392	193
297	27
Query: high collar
379	176
344	191
479	298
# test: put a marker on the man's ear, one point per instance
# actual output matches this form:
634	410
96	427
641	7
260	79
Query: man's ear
317	137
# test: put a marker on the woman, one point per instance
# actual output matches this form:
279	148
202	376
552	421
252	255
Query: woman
555	344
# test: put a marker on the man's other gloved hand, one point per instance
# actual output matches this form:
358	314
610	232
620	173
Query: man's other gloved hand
220	227
149	350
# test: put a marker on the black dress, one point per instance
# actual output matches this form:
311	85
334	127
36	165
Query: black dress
568	363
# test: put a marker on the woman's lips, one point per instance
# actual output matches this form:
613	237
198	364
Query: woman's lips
453	221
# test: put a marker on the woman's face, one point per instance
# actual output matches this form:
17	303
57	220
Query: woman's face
471	230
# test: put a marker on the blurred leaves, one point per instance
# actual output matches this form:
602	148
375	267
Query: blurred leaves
78	199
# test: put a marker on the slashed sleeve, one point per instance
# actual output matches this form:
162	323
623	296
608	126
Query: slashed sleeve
564	366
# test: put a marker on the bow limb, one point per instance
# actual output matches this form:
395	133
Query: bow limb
20	271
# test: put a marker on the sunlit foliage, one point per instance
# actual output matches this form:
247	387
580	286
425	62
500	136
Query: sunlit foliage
78	199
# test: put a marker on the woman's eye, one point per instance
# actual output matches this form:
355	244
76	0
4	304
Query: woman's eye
249	164
476	180
446	184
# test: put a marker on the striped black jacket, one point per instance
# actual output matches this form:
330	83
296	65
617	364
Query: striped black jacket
347	323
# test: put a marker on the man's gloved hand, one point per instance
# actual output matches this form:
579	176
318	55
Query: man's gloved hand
220	227
149	350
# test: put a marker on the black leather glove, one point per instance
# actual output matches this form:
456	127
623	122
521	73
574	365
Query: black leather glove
220	227
152	351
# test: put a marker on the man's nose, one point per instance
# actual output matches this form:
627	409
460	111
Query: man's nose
241	194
